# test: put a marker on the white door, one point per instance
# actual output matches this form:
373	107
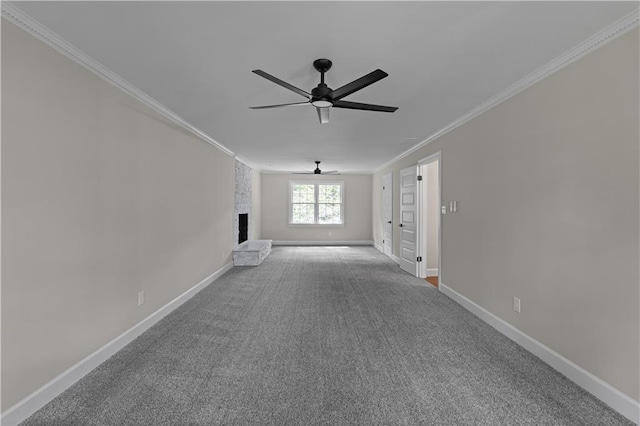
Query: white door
387	214
408	224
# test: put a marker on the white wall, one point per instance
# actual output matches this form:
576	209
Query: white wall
275	210
101	199
547	185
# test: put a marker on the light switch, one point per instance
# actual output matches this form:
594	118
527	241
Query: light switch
455	206
451	206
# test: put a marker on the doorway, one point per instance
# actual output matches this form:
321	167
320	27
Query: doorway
430	220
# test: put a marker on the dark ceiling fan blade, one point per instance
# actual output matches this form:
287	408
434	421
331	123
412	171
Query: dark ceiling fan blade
280	105
330	172
323	115
282	83
358	84
367	107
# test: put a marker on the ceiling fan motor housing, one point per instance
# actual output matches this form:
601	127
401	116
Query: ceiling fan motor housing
322	92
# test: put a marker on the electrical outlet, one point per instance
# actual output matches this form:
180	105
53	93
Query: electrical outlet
516	304
141	298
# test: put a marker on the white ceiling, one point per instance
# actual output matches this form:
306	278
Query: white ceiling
443	60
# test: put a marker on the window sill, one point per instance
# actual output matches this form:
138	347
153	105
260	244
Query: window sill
316	225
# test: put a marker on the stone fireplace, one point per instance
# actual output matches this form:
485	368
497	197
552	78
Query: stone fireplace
242	229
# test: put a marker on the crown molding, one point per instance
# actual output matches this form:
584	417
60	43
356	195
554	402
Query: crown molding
18	17
611	32
22	20
245	162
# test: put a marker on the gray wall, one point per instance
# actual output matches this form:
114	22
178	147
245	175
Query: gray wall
275	210
101	199
548	195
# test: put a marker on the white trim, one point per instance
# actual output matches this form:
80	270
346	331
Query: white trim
611	32
387	178
436	156
592	384
24	21
441	216
323	243
44	34
380	248
430	159
38	399
316	225
245	162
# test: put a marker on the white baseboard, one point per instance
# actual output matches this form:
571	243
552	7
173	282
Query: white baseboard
432	272
322	243
381	250
38	399
617	400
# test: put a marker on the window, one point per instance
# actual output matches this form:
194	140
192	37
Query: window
316	203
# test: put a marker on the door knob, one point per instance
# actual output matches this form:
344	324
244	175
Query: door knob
388	221
400	225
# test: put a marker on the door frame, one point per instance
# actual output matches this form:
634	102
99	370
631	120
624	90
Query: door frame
384	219
420	213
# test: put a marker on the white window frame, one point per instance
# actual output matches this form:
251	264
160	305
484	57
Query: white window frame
316	184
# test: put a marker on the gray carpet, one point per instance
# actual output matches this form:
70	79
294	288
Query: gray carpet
323	336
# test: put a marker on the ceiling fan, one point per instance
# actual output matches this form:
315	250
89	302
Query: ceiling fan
323	97
317	171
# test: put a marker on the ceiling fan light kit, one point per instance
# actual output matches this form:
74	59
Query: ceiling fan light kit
322	104
323	97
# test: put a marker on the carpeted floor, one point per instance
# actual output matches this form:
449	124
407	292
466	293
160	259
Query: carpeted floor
323	336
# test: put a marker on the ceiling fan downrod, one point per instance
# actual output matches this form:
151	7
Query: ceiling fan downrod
321	95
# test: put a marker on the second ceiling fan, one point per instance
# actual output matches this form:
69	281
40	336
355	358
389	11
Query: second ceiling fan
323	97
317	171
